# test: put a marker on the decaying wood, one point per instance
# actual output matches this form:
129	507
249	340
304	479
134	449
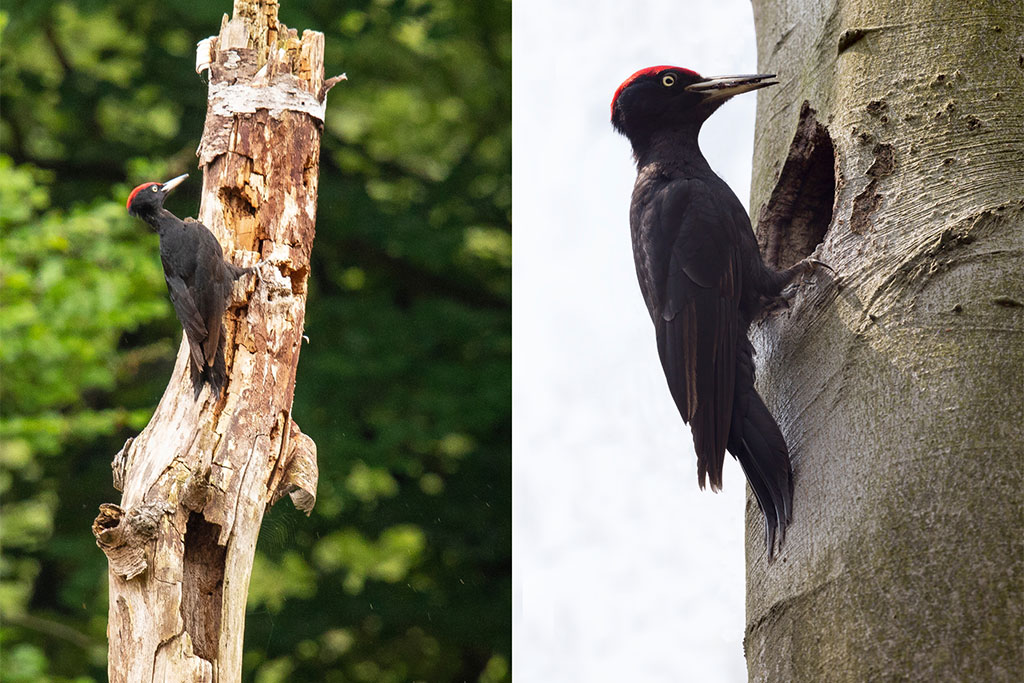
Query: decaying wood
197	480
901	391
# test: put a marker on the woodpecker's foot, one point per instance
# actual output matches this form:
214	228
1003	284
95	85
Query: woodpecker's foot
801	273
244	285
258	269
272	277
773	305
809	267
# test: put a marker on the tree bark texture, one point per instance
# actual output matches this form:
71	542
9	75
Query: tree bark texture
896	141
199	477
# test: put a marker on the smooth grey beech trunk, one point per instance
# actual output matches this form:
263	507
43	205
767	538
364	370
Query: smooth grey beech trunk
893	149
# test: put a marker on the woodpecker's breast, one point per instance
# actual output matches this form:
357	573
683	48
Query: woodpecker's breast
178	253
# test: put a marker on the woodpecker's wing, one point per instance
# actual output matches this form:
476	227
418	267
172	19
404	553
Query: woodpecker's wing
697	276
211	287
191	321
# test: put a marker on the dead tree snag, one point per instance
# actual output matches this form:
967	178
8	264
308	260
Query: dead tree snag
199	477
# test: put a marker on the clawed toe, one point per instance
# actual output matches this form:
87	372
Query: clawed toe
813	265
780	302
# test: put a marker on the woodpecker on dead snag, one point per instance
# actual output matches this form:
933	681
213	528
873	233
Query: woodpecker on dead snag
198	278
703	279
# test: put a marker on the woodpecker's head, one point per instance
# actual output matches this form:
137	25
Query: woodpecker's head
147	198
663	97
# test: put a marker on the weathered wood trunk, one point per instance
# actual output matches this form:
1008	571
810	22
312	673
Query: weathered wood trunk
199	477
898	127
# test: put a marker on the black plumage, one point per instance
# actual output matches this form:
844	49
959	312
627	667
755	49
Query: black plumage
198	278
704	280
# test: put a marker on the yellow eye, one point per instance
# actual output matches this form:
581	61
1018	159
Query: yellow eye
668	80
154	188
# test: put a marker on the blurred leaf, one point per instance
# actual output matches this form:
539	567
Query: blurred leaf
274	582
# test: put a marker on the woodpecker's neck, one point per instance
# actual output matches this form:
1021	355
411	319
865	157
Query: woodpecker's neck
674	147
160	219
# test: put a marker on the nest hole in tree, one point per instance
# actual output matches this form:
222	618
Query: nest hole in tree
794	221
202	585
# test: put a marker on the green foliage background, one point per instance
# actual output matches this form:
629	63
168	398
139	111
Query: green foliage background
403	572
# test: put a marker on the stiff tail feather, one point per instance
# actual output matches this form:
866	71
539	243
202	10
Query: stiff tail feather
215	375
757	443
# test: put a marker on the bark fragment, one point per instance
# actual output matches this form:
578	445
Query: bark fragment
867	202
298	474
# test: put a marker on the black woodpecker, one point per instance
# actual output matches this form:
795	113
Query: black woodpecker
703	279
198	279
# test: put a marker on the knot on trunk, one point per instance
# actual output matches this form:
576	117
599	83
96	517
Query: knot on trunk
124	535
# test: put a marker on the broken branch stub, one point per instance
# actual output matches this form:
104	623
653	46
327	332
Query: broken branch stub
197	480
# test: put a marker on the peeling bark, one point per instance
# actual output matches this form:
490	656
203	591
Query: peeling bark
901	391
199	477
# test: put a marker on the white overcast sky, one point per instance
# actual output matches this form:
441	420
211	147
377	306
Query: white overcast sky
623	569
